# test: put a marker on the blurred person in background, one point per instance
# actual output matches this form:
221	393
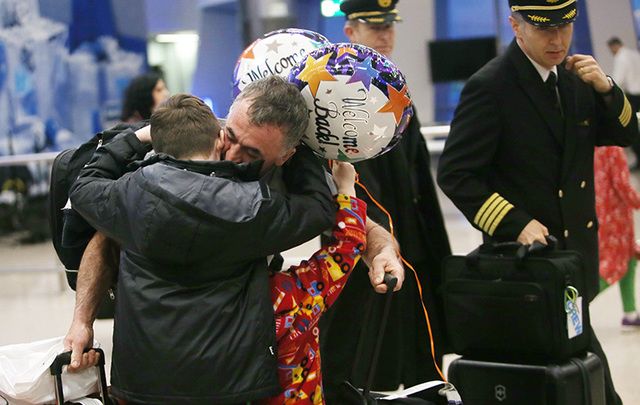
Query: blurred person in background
626	73
615	201
143	94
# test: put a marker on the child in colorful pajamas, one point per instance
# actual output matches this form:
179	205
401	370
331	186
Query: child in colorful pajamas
303	293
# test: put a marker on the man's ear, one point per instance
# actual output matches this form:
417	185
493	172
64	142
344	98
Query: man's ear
282	159
515	26
348	31
219	148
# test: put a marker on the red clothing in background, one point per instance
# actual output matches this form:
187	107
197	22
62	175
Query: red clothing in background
615	201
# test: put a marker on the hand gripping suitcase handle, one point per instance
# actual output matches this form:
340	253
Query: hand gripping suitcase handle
390	282
64	359
515	249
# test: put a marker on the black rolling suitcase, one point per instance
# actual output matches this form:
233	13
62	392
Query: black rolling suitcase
511	302
579	381
430	393
64	359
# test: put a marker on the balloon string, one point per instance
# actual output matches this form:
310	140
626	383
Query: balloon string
424	308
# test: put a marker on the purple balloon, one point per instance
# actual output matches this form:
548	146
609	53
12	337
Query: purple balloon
358	100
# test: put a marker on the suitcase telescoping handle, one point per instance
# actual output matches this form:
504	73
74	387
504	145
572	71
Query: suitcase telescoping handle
64	359
391	283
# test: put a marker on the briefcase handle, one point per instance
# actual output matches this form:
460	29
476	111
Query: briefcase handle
514	249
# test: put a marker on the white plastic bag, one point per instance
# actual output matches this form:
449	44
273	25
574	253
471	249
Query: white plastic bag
25	376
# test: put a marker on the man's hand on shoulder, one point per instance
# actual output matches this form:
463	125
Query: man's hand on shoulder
533	231
589	71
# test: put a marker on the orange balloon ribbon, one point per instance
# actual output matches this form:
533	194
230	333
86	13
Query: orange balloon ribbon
424	309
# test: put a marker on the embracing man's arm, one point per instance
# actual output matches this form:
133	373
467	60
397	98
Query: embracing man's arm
96	273
382	256
99	263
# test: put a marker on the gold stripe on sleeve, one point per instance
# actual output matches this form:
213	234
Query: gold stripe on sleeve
499	218
625	115
484	207
497	208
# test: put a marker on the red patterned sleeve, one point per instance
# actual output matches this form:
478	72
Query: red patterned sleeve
620	177
317	282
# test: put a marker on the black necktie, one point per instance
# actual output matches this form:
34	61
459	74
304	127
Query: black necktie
551	84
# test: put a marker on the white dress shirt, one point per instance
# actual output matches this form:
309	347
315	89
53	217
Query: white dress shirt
626	70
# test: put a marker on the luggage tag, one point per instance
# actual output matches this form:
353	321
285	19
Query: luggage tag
573	308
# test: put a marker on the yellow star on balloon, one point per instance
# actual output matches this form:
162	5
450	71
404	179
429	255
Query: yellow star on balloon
315	71
346	49
398	101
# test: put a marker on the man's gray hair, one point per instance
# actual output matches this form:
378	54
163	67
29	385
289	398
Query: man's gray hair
274	101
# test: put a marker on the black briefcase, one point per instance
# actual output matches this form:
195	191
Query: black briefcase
516	303
579	381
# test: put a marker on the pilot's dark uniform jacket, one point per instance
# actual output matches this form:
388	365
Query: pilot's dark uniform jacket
194	321
401	181
511	156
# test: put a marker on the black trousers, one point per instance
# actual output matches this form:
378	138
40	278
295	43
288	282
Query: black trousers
612	396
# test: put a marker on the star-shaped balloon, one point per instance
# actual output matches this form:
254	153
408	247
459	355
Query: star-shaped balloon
363	72
398	101
315	71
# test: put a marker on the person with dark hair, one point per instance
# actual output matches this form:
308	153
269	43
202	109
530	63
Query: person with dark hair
143	94
519	158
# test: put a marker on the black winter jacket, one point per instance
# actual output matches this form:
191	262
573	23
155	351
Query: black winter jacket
194	322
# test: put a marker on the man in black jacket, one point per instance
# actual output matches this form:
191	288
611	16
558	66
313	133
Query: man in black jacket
265	106
518	161
194	322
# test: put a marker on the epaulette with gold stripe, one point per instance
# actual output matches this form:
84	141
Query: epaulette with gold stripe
625	115
491	213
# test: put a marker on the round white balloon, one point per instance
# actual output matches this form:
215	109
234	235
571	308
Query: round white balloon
275	53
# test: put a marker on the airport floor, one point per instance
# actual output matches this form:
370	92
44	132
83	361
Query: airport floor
36	304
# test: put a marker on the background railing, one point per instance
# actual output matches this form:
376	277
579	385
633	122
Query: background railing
434	135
